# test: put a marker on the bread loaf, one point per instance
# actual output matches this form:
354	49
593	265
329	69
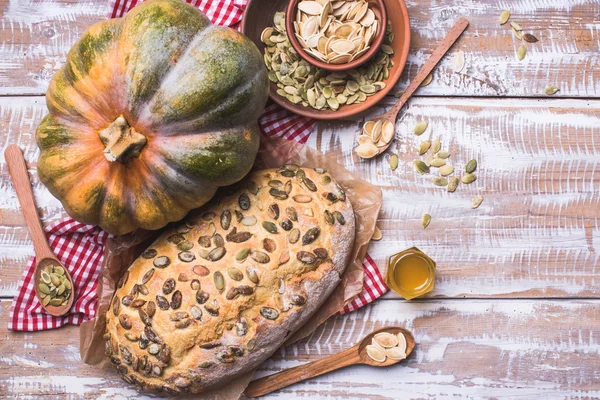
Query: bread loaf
217	294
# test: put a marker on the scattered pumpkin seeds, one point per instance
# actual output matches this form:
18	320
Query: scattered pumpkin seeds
420	128
518	34
477	201
421	167
425	220
504	16
393	162
424	146
550	90
443	154
436	146
516	26
438	162
427	80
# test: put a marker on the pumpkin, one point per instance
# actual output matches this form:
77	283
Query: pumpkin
150	114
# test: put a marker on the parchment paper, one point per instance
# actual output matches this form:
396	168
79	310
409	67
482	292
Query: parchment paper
121	251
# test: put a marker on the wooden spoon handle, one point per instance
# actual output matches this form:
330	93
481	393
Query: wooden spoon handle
268	384
430	64
18	173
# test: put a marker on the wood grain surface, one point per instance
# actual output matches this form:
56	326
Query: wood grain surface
516	308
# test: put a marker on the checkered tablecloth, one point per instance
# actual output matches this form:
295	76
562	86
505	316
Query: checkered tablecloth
81	247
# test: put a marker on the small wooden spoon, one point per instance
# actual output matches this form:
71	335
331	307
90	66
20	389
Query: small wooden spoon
357	354
433	60
44	255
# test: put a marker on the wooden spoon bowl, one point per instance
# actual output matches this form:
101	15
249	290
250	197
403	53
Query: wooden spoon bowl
357	354
44	255
37	278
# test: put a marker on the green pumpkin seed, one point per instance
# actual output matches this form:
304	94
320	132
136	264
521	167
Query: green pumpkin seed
438	162
45	277
471	166
251	272
269	226
421	167
42	287
550	90
219	281
260	257
294	235
58	270
477	200
440	181
310	236
424	146
436	146
521	52
54	279
242	254
217	253
443	154
235	274
468	178
516	26
420	128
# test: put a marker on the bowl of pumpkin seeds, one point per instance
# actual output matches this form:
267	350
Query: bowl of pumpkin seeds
306	89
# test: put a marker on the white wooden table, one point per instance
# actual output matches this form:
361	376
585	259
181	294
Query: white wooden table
515	311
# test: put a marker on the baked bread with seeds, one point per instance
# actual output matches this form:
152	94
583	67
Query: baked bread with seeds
217	294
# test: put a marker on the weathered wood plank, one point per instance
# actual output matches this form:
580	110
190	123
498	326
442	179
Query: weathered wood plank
466	349
536	234
35	38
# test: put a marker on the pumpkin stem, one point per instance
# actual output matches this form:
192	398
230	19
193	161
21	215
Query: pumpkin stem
121	141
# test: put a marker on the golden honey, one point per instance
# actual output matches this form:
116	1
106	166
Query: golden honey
411	273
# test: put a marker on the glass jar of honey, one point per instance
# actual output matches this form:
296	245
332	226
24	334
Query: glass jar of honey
411	273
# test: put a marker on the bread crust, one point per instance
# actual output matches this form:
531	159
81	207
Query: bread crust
211	312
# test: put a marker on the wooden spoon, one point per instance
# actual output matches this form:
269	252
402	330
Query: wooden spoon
44	255
354	355
433	60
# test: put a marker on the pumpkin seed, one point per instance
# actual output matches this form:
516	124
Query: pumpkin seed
269	313
116	305
393	162
186	256
386	339
125	321
306	257
196	312
504	16
151	308
301	198
528	37
458	61
204	241
453	184
252	275
477	200
168	286
202	297
291	213
294	235
242	254
468	178
235	274
183	324
425	220
260	257
252	187
176	238
375	353
269	245
367	150
516	26
176	299
438	162
162	302
126	300
427	80
249	220
325	180
269	226
241	327
321	253
424	146
208	216
161	262
436	146
137	303
238	237
446	170
225	219
278	194
421	167
218	240
148	275
144	317
217	253
517	33
219	281
212	308
244	201
206	364
471	166
310	236
200	270
153	349
185	245
420	128
440	181
195	285
329	218
521	52
149	253
339	217
550	90
310	185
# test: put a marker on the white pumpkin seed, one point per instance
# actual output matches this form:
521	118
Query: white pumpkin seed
458	61
504	16
453	184
516	26
395	353
367	150
436	146
438	162
401	341
446	170
477	200
375	354
386	339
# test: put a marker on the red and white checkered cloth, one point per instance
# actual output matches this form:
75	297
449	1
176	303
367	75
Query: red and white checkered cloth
81	247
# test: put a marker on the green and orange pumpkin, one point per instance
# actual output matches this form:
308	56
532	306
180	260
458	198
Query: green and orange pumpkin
151	113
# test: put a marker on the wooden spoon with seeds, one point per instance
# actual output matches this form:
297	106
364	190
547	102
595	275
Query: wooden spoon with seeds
433	60
44	255
357	354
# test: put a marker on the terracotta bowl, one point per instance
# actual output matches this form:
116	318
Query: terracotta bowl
378	8
259	14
